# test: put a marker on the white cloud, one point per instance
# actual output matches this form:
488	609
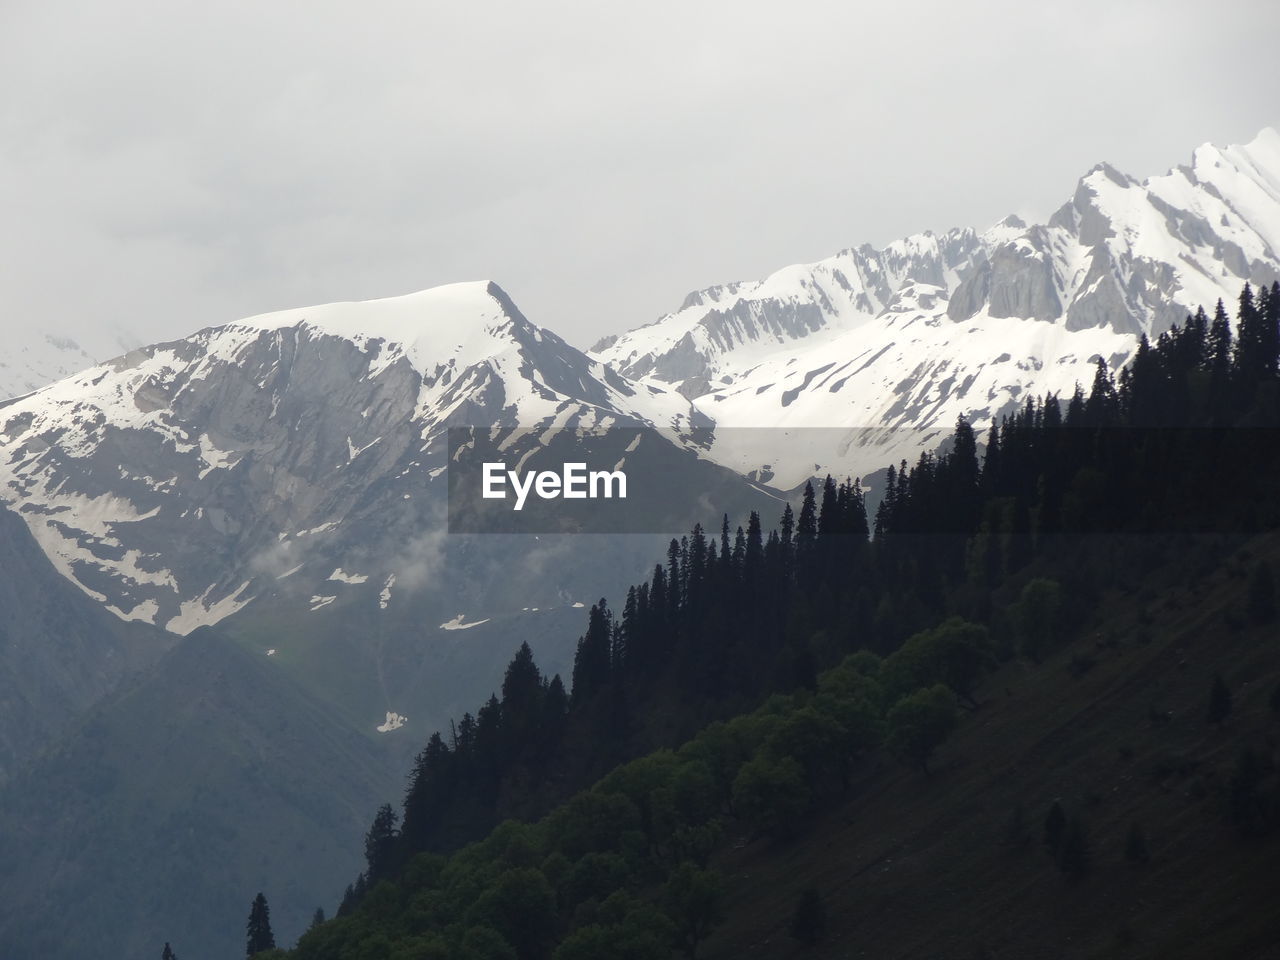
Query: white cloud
171	166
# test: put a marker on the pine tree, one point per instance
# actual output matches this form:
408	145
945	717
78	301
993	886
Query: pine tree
1249	358
591	662
168	953
1102	406
317	918
809	920
259	927
1219	700
380	845
1219	362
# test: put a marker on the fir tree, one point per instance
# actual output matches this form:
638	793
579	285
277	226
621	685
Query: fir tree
591	662
168	953
1218	359
259	927
1102	407
807	526
317	918
380	845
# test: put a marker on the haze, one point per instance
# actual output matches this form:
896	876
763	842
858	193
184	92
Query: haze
169	166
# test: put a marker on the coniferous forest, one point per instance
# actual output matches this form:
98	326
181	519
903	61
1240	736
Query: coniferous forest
755	698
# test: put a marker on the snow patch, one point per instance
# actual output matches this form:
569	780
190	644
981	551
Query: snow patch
342	577
458	623
394	721
199	612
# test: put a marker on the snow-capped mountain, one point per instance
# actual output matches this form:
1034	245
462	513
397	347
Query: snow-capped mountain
887	347
300	451
177	482
34	358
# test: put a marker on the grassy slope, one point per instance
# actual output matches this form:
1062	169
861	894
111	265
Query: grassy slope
918	867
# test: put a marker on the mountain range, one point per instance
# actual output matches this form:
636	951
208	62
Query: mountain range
266	502
889	346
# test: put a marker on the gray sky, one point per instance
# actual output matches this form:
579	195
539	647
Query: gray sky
167	165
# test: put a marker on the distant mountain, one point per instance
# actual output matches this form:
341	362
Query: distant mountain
60	652
891	345
35	358
175	801
288	469
179	481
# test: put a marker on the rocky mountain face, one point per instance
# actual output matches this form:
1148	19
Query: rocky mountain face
887	347
299	459
290	469
179	481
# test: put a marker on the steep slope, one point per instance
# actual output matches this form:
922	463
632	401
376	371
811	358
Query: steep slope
1114	728
59	651
177	800
888	347
299	458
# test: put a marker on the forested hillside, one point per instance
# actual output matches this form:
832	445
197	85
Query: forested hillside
1054	633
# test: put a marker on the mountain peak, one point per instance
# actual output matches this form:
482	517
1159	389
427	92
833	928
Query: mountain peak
457	323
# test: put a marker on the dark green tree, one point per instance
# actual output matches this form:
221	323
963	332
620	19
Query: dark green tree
258	929
521	906
1102	407
1037	615
918	724
809	919
770	793
168	953
380	845
317	918
591	662
694	900
485	943
522	683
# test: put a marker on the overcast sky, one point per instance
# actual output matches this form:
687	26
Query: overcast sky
167	165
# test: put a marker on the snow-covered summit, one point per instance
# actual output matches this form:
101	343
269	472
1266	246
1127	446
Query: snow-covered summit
1129	255
452	325
171	481
893	344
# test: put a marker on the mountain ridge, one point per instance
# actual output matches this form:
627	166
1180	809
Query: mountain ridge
892	344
